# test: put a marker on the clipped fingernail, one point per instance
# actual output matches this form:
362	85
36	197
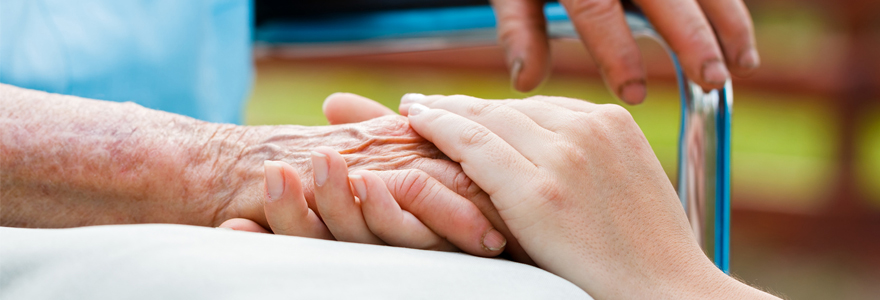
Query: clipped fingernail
274	179
493	240
320	167
412	98
515	69
714	72
633	92
749	59
416	109
360	186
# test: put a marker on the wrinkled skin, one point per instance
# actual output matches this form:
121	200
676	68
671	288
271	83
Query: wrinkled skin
380	144
68	161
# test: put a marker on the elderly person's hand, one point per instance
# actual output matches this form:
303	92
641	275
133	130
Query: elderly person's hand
68	161
409	187
689	26
580	188
424	215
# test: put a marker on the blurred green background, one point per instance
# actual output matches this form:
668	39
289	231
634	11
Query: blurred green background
806	166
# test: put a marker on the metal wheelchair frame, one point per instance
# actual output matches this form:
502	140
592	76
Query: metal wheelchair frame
704	138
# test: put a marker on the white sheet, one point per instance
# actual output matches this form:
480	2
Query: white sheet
187	262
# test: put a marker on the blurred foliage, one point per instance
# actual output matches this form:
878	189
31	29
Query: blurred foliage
782	150
869	156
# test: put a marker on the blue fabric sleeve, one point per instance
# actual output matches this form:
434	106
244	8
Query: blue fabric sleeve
188	57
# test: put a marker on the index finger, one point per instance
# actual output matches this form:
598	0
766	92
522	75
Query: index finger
486	158
686	30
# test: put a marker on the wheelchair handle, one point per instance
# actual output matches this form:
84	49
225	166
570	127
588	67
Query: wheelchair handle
704	137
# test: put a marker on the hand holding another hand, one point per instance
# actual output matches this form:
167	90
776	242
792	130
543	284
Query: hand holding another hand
381	214
411	198
580	188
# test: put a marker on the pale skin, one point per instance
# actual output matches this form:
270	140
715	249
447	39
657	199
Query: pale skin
68	161
612	225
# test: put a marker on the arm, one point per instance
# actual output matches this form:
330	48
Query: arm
612	224
68	161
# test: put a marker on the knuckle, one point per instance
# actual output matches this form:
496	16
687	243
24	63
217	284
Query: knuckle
508	35
515	30
409	186
463	185
590	9
481	108
569	153
698	35
615	114
741	33
476	137
573	154
549	192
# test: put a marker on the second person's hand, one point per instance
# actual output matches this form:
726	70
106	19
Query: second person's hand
690	27
580	188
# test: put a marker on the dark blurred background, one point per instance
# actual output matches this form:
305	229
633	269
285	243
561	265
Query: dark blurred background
806	130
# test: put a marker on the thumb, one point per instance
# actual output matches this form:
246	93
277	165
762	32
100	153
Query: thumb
342	108
240	224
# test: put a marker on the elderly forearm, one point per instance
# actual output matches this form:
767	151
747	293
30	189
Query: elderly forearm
68	161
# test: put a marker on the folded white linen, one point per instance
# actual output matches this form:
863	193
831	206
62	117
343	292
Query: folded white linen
158	261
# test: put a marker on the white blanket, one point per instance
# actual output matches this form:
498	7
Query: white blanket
187	262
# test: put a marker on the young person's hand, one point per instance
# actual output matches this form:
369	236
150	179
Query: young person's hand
426	215
580	188
345	108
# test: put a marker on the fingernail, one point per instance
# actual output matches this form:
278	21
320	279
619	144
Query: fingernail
412	98
633	92
320	167
749	59
416	109
360	186
515	69
714	72
274	180
493	240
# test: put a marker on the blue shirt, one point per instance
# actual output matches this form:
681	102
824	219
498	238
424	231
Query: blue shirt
189	57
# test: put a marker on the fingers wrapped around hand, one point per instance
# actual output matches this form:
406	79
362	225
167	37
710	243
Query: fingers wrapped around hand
445	212
401	208
388	221
334	199
287	211
481	152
